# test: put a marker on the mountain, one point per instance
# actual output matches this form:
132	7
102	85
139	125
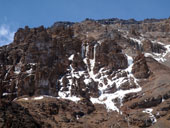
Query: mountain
108	73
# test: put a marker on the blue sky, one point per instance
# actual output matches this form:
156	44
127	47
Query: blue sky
18	13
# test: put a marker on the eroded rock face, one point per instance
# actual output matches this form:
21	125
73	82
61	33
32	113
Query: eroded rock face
110	55
117	63
148	46
140	68
41	58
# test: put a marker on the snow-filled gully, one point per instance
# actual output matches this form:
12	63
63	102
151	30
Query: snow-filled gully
105	98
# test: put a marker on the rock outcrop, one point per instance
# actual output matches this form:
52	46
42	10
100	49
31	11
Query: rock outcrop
140	68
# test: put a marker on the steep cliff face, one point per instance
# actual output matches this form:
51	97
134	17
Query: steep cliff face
109	73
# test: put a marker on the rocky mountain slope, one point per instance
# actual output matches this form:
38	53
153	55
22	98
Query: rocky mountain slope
108	73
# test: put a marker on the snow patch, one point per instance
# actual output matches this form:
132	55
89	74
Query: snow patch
17	70
38	98
5	94
139	41
71	57
25	98
152	117
160	57
72	74
29	71
33	64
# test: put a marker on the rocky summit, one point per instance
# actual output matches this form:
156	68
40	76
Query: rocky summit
108	73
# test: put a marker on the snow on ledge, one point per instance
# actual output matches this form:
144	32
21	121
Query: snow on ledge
137	40
63	95
38	98
73	98
25	98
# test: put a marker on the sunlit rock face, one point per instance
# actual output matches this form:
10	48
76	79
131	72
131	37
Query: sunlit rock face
117	68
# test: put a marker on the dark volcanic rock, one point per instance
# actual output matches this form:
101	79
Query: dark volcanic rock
109	54
14	115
